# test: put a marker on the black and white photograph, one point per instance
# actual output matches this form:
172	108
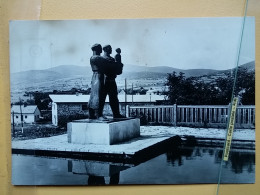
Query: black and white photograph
132	101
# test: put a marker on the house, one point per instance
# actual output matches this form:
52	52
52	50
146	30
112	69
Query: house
25	114
65	106
71	107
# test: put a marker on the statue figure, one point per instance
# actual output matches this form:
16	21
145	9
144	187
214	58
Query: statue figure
97	84
118	60
112	69
118	55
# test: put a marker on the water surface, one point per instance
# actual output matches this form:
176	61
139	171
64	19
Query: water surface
188	165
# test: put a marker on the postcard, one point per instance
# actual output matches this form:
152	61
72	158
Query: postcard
132	101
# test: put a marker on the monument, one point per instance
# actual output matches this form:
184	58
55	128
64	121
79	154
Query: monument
98	129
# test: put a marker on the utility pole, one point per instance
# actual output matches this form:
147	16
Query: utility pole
21	114
132	93
125	95
13	124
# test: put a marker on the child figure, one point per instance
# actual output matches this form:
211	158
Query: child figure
119	62
118	56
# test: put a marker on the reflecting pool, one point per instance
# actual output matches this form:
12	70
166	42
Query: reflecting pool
186	165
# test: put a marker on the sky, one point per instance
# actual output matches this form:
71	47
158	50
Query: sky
185	43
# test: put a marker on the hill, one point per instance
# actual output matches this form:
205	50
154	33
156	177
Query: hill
211	77
167	69
66	73
72	70
34	76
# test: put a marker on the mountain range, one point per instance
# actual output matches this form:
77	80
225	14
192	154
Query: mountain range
130	71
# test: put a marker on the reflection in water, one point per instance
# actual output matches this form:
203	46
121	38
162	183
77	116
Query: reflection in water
239	161
114	179
97	171
96	180
176	166
178	154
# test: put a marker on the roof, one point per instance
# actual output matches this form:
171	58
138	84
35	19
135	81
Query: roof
121	98
69	98
30	109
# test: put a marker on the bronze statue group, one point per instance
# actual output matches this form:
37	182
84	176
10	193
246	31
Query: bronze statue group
105	70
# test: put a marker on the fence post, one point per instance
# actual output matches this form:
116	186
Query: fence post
175	114
127	111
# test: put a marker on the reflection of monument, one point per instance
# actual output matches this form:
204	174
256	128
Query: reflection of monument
98	129
97	171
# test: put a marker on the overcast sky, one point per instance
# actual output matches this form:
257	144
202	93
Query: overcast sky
185	43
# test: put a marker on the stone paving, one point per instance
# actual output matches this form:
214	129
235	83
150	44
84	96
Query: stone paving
150	135
59	143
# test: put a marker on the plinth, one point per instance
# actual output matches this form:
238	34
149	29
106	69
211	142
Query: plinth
106	132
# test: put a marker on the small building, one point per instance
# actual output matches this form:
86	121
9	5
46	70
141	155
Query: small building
72	107
25	114
65	107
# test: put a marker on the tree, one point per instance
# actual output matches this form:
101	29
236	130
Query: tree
42	100
195	91
179	88
244	86
246	81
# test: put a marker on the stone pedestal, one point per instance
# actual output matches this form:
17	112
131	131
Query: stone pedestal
103	132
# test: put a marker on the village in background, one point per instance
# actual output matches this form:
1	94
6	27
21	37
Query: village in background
44	101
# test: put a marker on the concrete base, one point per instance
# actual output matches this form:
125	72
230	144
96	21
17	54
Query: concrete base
103	132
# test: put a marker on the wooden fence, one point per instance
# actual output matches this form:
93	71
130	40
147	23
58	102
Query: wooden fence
199	116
